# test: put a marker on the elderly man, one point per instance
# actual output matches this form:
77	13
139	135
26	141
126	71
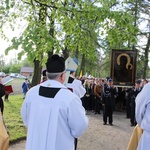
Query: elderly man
53	114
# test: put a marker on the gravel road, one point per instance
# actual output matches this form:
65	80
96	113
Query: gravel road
99	136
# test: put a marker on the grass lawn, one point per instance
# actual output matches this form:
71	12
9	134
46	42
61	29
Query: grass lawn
12	115
13	119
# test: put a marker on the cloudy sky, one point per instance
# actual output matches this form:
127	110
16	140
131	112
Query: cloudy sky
4	44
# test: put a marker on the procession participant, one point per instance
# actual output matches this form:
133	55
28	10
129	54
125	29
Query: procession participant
108	100
92	95
138	131
71	81
128	102
25	87
53	115
2	93
144	81
6	81
5	87
143	116
87	95
97	91
44	77
134	92
8	90
74	84
4	136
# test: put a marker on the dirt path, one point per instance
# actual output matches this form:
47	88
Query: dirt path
99	136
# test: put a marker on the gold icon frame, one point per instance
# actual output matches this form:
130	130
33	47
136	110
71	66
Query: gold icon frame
123	67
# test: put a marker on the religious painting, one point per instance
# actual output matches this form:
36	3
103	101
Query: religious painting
123	67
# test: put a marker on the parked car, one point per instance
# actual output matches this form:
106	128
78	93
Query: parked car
13	75
2	74
17	75
21	76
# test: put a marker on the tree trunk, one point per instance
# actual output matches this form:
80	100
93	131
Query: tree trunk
51	32
37	64
77	52
37	73
146	53
50	54
82	64
135	19
65	53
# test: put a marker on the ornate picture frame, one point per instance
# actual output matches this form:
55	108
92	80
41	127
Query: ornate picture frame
123	67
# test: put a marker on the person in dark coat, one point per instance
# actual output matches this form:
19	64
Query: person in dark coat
97	91
128	101
134	92
87	95
2	93
25	87
44	77
92	95
108	100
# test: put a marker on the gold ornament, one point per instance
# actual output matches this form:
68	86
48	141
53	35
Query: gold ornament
128	60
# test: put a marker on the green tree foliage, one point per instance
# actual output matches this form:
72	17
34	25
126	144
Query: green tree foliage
140	9
78	28
26	63
6	69
15	68
2	62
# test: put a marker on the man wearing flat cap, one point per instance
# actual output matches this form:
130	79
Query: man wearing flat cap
53	115
108	101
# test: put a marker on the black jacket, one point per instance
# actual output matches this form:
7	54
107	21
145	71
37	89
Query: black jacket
109	94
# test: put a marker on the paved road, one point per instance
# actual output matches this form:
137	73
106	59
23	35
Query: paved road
98	136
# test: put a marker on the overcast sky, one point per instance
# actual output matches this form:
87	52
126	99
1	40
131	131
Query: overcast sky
4	44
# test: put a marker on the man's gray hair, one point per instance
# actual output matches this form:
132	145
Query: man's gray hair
53	76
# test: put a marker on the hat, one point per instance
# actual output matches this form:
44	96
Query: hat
71	64
109	80
75	60
55	64
138	82
44	72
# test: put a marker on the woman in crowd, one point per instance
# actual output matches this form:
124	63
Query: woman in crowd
87	94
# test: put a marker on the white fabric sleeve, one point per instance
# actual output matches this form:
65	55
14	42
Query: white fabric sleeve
24	111
145	124
80	90
142	105
77	119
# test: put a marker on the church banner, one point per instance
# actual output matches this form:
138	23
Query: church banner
123	67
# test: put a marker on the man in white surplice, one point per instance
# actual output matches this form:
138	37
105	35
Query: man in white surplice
53	115
70	81
143	116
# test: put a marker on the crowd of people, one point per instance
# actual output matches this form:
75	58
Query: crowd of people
122	98
63	108
55	113
52	113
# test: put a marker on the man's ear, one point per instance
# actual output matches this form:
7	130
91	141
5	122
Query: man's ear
74	74
63	76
